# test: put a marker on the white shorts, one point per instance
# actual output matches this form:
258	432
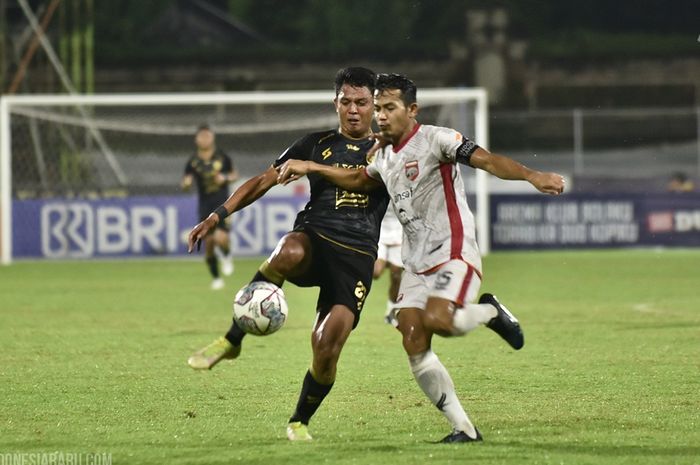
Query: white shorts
390	254
455	281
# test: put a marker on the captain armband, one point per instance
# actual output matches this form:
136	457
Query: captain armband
465	151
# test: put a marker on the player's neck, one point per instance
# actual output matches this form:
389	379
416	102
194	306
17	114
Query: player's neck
205	154
400	139
355	136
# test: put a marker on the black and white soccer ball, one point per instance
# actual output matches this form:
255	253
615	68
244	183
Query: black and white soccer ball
260	308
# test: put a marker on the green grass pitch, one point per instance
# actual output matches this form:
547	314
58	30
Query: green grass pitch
94	360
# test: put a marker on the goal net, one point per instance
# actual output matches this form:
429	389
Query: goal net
98	175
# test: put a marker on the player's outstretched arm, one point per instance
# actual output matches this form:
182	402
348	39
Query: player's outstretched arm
354	180
507	168
248	193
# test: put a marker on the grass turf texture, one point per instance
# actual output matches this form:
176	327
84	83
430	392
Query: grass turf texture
93	360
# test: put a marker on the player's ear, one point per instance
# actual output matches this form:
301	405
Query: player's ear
335	104
413	110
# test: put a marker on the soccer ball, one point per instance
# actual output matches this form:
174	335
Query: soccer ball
260	308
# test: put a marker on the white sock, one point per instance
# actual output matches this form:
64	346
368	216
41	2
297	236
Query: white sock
389	317
433	378
470	316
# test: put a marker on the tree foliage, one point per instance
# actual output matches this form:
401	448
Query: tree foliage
299	30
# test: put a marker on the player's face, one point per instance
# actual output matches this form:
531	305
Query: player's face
393	117
204	139
354	108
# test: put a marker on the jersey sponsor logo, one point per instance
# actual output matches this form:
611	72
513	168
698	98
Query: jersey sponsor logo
407	194
412	170
345	198
326	153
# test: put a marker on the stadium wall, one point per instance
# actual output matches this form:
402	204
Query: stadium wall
140	226
146	226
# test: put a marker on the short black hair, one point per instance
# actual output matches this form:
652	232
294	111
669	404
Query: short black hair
355	76
203	127
400	82
679	176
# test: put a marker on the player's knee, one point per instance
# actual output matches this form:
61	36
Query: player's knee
289	257
416	341
416	338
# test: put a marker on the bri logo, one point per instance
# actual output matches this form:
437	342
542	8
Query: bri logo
81	229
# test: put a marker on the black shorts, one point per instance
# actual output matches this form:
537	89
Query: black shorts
343	274
204	212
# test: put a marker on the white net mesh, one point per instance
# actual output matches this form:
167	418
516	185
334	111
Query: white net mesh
58	150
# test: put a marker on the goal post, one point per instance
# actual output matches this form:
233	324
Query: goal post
60	154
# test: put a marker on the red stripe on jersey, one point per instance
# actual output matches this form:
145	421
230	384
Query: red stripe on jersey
465	286
405	141
456	227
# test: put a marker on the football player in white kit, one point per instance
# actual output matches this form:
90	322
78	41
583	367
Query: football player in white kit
389	257
417	164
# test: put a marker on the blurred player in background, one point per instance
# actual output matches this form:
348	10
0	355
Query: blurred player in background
389	256
212	170
417	165
680	182
333	244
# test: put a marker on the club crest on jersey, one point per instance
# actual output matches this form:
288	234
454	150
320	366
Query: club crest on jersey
412	170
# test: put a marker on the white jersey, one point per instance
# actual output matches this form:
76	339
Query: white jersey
427	194
391	231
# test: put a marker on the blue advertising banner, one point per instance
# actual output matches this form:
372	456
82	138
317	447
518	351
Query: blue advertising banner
594	221
139	226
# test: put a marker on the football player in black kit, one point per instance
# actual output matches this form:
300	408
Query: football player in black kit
333	244
212	170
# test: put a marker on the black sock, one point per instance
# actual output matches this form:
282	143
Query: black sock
213	265
261	277
310	398
235	335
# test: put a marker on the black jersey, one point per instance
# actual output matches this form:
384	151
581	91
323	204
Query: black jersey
211	194
351	219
